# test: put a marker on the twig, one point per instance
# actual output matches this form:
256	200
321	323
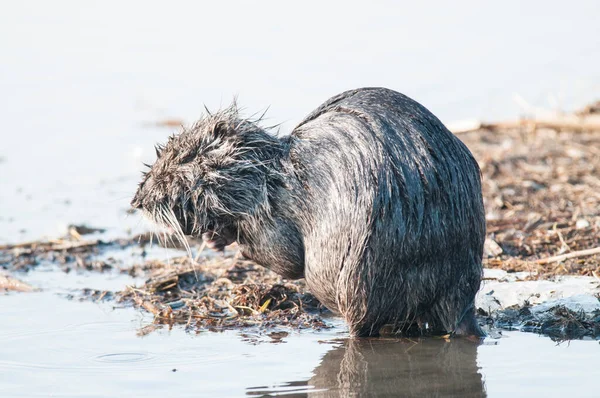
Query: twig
578	253
9	283
102	295
20	245
564	246
147	305
29	247
590	123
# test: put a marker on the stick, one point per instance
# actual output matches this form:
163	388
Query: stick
578	253
147	305
21	245
9	283
591	123
50	246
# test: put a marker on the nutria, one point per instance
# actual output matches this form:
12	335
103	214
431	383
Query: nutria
370	198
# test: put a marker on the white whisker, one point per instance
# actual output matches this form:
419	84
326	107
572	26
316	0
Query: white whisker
172	220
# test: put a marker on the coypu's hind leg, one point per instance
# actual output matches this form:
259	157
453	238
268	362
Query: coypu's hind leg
366	312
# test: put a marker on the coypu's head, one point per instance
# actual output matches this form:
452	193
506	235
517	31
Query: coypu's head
210	177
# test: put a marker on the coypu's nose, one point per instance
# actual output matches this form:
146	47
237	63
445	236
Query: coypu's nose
136	203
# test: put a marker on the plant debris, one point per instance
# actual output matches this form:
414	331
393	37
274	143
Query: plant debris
222	294
72	252
8	283
559	322
542	196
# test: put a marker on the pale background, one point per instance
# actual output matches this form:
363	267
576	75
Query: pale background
80	80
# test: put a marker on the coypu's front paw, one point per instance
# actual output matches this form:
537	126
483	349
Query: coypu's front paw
216	241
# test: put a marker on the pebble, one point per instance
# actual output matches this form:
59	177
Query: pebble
582	224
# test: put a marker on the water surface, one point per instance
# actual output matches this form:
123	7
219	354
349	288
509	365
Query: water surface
85	349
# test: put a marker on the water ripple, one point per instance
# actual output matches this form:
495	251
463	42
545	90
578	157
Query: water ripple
123	357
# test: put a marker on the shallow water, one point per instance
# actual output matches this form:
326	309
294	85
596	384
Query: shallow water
90	350
87	349
80	86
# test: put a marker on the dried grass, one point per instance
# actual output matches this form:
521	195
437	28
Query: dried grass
224	294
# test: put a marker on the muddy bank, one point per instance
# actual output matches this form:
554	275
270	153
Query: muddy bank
541	191
562	307
218	293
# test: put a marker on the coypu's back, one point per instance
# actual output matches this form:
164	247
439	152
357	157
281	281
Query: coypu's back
394	222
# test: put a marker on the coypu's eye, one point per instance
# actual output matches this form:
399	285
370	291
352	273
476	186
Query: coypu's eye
187	158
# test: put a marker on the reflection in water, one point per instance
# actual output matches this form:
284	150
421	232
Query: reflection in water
389	367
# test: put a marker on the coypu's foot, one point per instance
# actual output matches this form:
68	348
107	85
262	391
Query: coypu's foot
468	327
366	330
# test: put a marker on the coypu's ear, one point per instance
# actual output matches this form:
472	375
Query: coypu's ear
220	129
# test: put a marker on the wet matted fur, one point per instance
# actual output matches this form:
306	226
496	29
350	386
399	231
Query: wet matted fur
370	198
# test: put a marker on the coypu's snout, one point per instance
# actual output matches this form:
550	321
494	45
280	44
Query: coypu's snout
136	203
